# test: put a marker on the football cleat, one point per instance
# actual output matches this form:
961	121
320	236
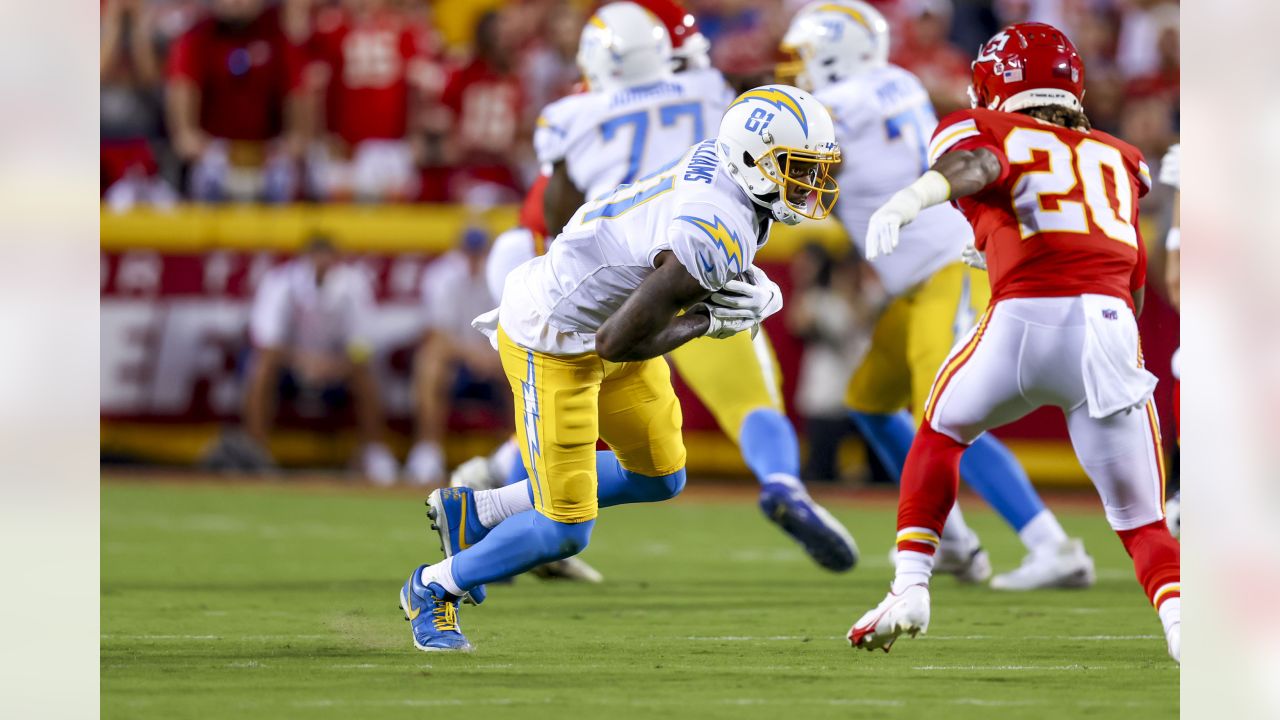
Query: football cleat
1066	565
972	565
821	535
433	616
475	474
453	515
898	614
571	568
1173	636
379	465
425	465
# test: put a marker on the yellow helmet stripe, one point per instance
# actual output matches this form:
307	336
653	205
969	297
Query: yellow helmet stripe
779	99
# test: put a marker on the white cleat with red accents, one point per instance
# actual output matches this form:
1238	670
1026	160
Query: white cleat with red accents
898	614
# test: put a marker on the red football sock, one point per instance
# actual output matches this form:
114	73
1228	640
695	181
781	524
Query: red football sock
1156	559
929	482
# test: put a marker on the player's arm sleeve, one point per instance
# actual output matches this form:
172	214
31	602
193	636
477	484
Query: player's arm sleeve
713	248
269	316
963	130
1141	172
551	135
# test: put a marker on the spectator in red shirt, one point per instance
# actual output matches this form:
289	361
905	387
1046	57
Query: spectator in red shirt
942	67
483	99
130	107
231	96
1163	82
374	63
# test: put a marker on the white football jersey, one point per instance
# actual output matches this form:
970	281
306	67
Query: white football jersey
556	302
883	121
611	139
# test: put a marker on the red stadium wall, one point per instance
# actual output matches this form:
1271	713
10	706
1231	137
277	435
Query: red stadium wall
175	293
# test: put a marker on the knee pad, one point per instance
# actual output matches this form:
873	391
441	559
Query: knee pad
567	539
673	483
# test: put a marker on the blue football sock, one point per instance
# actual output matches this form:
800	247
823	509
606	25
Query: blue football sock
522	542
987	466
888	436
769	445
992	470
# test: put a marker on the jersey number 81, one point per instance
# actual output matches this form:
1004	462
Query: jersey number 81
1085	164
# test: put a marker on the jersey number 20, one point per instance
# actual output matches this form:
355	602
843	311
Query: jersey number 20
1086	164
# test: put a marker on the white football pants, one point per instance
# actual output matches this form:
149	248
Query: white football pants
1030	352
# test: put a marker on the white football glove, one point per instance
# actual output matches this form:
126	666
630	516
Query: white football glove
928	190
726	322
973	257
760	295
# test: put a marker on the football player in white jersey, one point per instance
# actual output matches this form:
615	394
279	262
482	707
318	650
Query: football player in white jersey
638	118
582	330
883	121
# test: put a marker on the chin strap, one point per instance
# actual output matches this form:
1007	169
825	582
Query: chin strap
784	214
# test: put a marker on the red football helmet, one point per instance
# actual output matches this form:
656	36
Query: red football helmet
689	46
1027	65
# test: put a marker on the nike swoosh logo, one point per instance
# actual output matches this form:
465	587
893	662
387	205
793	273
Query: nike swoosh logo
414	612
707	266
462	528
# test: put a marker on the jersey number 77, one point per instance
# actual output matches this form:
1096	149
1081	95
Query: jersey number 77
1040	196
638	122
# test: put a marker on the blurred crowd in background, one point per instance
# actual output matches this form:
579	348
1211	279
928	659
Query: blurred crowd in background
397	101
425	101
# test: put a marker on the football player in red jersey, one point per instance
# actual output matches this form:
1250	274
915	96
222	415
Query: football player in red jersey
1053	206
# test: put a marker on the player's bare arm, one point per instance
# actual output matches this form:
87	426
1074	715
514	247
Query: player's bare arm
956	174
647	324
967	171
562	199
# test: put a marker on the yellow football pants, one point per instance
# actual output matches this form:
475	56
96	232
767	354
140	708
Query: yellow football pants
912	339
732	377
565	403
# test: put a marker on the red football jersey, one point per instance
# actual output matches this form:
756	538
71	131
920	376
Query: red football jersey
1062	218
486	106
370	63
531	212
243	75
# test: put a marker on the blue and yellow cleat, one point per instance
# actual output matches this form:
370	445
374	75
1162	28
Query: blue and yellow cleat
453	515
433	616
821	535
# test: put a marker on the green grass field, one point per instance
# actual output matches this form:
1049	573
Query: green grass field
278	601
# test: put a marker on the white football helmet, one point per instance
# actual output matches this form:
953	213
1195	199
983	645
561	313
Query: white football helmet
832	40
623	45
778	143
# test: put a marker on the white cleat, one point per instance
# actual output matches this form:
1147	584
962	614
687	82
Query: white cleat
1173	636
971	565
905	613
379	465
1066	565
474	474
425	466
571	568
